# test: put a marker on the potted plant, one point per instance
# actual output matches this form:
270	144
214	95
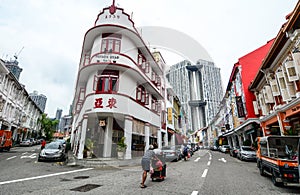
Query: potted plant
89	148
121	148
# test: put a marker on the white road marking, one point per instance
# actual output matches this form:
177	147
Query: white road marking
43	176
208	163
11	157
24	153
204	173
197	159
194	193
223	159
30	156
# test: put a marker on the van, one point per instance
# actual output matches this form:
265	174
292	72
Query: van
5	140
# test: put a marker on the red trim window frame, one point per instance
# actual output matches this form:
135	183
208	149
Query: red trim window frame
141	60
111	43
154	104
106	82
142	96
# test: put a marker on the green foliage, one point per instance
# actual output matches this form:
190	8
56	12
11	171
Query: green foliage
47	126
89	144
121	145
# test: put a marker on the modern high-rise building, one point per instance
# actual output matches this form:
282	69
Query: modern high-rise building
199	88
58	116
39	99
13	67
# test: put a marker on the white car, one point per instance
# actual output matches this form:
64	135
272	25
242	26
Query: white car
26	142
224	148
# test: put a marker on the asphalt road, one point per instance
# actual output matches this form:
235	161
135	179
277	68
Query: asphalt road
207	172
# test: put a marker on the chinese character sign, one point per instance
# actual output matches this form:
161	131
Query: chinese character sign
111	103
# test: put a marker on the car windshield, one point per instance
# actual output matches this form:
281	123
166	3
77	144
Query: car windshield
226	146
60	140
53	146
248	149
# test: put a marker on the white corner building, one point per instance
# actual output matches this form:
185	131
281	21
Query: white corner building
119	90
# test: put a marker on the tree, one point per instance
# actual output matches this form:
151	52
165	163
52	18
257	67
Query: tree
47	126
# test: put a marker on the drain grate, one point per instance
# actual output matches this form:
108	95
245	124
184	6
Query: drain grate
86	187
81	177
64	179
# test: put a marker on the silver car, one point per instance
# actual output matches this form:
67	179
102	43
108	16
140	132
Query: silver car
171	153
246	153
53	151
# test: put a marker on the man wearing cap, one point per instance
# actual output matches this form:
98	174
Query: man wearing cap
146	164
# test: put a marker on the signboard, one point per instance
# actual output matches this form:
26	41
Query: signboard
240	106
170	115
108	58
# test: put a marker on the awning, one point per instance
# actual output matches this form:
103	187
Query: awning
247	122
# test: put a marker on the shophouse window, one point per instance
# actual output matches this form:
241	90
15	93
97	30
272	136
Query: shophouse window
106	82
154	104
111	43
142	96
142	63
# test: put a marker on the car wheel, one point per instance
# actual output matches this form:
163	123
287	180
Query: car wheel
261	169
278	184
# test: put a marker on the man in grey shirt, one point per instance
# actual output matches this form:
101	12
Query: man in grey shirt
146	164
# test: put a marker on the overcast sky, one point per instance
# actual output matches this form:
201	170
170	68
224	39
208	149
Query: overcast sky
52	32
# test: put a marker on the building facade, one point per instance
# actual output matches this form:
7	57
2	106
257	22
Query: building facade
119	89
18	112
262	96
277	85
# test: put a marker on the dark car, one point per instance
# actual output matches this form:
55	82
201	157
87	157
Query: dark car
234	151
53	151
246	153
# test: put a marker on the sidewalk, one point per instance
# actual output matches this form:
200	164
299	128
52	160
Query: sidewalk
102	162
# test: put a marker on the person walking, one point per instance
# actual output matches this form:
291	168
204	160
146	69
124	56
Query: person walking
146	164
43	144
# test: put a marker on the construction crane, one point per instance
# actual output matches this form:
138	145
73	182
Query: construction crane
17	54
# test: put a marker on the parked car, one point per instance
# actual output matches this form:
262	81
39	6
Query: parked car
234	151
33	141
26	142
53	151
171	153
224	148
214	148
246	153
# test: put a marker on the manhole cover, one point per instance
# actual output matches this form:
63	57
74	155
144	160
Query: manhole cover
86	187
81	177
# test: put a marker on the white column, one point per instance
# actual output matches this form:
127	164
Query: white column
166	138
108	137
82	138
159	138
147	133
128	136
173	139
